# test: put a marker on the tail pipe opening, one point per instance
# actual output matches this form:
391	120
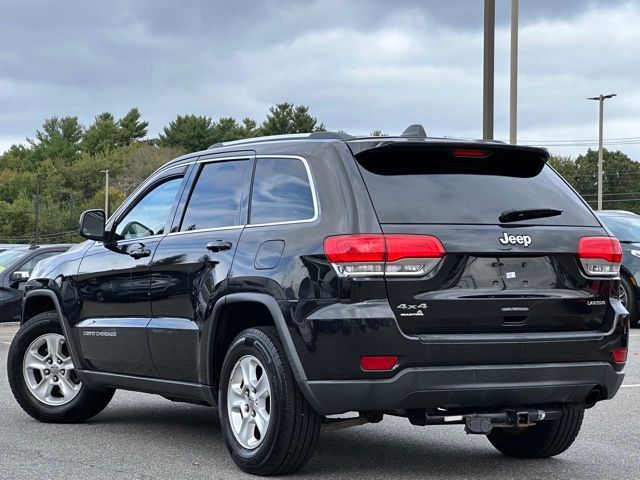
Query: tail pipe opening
594	396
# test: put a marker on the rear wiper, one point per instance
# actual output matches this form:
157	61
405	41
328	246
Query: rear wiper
627	241
527	214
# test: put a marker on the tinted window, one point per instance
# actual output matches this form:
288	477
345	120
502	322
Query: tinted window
281	191
30	264
425	186
149	216
623	227
9	257
217	197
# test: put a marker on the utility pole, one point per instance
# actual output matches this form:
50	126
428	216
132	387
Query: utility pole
513	92
106	192
488	70
37	211
601	98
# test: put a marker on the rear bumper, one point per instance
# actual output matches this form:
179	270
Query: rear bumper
466	387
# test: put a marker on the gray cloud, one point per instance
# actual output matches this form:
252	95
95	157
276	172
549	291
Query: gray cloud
359	64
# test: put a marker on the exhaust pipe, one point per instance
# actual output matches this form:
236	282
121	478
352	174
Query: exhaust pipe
593	397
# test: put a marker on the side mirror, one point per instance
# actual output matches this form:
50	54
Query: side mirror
19	276
92	224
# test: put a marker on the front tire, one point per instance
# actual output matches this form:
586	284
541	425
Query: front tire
43	378
544	440
268	426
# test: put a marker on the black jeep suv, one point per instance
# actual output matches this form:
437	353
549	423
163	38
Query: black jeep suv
291	279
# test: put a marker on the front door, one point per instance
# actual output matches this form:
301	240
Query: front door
114	281
191	265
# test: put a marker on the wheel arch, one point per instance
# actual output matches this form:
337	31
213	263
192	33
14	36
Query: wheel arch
38	302
266	312
43	300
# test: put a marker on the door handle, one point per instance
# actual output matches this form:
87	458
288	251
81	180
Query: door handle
139	252
219	245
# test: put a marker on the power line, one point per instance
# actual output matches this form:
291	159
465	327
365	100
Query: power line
585	141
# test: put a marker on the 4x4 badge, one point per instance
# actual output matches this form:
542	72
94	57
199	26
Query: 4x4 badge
507	239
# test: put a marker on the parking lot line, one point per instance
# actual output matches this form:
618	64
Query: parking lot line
632	385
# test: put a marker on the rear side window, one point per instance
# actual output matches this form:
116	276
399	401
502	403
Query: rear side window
281	191
216	199
416	185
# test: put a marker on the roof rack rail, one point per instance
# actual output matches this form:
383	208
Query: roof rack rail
414	131
332	135
287	136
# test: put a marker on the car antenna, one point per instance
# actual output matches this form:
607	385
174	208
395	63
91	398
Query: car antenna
414	131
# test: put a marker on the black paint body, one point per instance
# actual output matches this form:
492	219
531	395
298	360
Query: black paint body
160	323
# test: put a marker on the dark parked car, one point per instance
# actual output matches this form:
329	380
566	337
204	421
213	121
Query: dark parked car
289	279
626	227
16	265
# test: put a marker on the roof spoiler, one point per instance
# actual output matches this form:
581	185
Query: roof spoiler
449	147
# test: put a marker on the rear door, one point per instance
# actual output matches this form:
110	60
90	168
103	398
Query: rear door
191	264
496	276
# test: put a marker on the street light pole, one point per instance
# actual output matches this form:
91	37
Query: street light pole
488	69
513	93
601	98
106	192
37	211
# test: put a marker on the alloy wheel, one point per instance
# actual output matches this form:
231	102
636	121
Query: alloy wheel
49	371
623	296
249	402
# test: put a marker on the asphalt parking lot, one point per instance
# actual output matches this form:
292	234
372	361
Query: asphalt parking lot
146	437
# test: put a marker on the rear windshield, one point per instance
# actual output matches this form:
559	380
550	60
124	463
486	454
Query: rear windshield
416	185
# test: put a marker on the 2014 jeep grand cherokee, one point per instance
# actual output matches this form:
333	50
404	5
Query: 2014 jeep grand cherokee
290	279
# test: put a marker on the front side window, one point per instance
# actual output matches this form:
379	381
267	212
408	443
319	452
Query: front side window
149	216
281	191
217	196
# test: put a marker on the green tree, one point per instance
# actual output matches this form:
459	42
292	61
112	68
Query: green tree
102	136
189	132
287	118
131	128
17	158
378	133
621	178
59	138
140	160
228	129
565	166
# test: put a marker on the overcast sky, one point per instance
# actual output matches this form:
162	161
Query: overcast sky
359	64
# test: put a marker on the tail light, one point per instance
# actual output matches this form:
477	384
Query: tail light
378	363
467	153
378	254
600	256
619	355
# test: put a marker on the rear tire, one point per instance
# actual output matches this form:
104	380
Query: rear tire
47	390
544	440
292	426
630	301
